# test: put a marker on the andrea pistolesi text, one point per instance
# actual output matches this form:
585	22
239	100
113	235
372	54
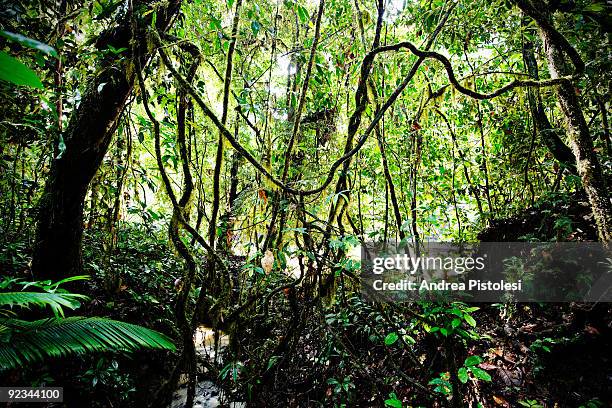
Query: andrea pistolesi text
471	285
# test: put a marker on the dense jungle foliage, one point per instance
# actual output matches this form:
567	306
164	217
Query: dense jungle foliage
185	186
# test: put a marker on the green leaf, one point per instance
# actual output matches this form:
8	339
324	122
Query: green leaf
480	373
391	338
115	51
463	375
472	361
68	279
52	338
303	14
29	42
11	70
456	312
56	301
595	7
106	10
215	23
255	26
393	401
409	339
470	320
61	147
272	361
455	323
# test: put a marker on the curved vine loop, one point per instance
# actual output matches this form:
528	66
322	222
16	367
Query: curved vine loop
367	62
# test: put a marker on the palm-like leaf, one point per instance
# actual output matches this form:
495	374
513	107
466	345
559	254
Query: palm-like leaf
23	342
56	301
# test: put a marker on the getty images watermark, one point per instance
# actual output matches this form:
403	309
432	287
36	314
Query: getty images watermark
487	272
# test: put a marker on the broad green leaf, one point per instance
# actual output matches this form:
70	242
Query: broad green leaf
11	70
472	361
456	312
29	42
480	373
393	401
463	375
391	338
303	14
470	320
409	339
215	23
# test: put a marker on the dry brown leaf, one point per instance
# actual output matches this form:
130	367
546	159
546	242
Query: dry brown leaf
528	328
500	401
591	330
262	195
267	262
487	366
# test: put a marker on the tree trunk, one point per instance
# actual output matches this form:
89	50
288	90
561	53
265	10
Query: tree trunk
380	137
57	250
550	136
581	143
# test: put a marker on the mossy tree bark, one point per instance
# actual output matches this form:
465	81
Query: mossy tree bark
57	250
550	136
581	143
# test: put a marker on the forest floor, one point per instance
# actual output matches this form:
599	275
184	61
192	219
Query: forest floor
549	355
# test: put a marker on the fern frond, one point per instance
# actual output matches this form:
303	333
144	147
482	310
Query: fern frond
34	341
56	301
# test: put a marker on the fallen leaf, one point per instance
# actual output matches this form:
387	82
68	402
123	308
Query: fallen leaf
528	328
267	262
511	378
262	194
500	401
591	330
487	366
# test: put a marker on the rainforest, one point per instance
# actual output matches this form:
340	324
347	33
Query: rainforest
188	189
